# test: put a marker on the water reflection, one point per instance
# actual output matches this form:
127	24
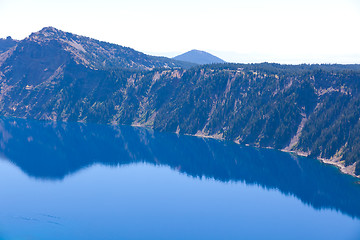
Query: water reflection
52	151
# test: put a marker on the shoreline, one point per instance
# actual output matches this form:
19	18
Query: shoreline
349	170
336	162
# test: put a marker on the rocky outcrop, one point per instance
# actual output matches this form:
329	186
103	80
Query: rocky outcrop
309	109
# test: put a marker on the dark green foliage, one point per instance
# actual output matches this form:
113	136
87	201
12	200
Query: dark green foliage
256	104
261	105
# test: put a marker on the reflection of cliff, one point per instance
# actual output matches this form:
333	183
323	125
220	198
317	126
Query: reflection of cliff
53	150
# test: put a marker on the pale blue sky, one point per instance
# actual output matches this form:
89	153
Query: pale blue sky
285	31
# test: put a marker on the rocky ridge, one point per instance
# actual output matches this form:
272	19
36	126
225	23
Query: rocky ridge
308	109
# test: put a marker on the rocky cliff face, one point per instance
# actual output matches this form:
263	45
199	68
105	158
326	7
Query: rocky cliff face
309	109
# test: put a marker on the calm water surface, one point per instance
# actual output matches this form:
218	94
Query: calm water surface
77	181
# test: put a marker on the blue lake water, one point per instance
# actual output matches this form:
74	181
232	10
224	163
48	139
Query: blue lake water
87	181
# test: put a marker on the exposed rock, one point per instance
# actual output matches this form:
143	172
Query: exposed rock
310	109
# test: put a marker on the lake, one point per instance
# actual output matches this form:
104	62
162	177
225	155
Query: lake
87	181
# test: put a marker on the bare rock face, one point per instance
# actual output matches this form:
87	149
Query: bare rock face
309	109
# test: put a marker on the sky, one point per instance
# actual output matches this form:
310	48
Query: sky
283	31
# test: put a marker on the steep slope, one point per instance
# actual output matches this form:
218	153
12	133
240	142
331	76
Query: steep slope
82	50
99	55
32	69
198	57
310	109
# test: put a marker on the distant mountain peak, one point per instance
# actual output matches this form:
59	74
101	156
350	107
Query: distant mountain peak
198	51
198	57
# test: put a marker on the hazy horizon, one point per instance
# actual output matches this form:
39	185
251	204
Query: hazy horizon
289	32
